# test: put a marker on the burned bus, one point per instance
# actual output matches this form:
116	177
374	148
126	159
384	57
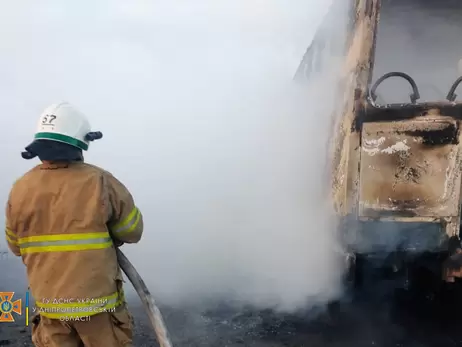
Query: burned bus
395	158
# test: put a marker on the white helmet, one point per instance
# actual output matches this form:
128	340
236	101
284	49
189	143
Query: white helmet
61	122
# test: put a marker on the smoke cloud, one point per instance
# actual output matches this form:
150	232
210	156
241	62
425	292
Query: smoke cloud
223	152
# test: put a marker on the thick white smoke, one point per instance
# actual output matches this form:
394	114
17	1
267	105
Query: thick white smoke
224	154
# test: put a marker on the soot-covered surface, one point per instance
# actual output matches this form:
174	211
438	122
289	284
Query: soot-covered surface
379	315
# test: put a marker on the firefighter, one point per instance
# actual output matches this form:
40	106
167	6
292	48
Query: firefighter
65	218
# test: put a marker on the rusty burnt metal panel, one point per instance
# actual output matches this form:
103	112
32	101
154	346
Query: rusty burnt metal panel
410	168
356	75
397	112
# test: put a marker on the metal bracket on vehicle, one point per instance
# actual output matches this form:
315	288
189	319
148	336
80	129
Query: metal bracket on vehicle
415	91
452	95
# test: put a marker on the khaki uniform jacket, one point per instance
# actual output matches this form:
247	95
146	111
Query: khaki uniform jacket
63	219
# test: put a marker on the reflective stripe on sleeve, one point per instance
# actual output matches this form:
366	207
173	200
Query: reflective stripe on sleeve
64	242
11	237
128	224
73	308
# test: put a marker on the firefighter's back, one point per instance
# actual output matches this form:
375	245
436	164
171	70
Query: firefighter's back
61	214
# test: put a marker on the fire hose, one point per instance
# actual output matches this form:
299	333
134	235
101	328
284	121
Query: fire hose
152	310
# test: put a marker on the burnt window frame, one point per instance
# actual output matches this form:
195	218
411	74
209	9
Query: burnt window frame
316	56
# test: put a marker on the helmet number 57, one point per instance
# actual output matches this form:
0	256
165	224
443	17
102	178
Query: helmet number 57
48	119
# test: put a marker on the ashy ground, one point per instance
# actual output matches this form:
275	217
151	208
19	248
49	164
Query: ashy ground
371	322
378	316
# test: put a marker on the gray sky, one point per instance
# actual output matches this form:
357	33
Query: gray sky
201	121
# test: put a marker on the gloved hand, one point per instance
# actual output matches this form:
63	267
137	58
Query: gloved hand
117	243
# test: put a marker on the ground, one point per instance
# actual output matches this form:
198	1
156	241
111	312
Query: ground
368	320
380	314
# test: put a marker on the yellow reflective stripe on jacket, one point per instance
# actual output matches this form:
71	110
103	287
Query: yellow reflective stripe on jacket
71	308
129	224
64	242
11	237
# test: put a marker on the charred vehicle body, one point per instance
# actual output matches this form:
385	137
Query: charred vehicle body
396	140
